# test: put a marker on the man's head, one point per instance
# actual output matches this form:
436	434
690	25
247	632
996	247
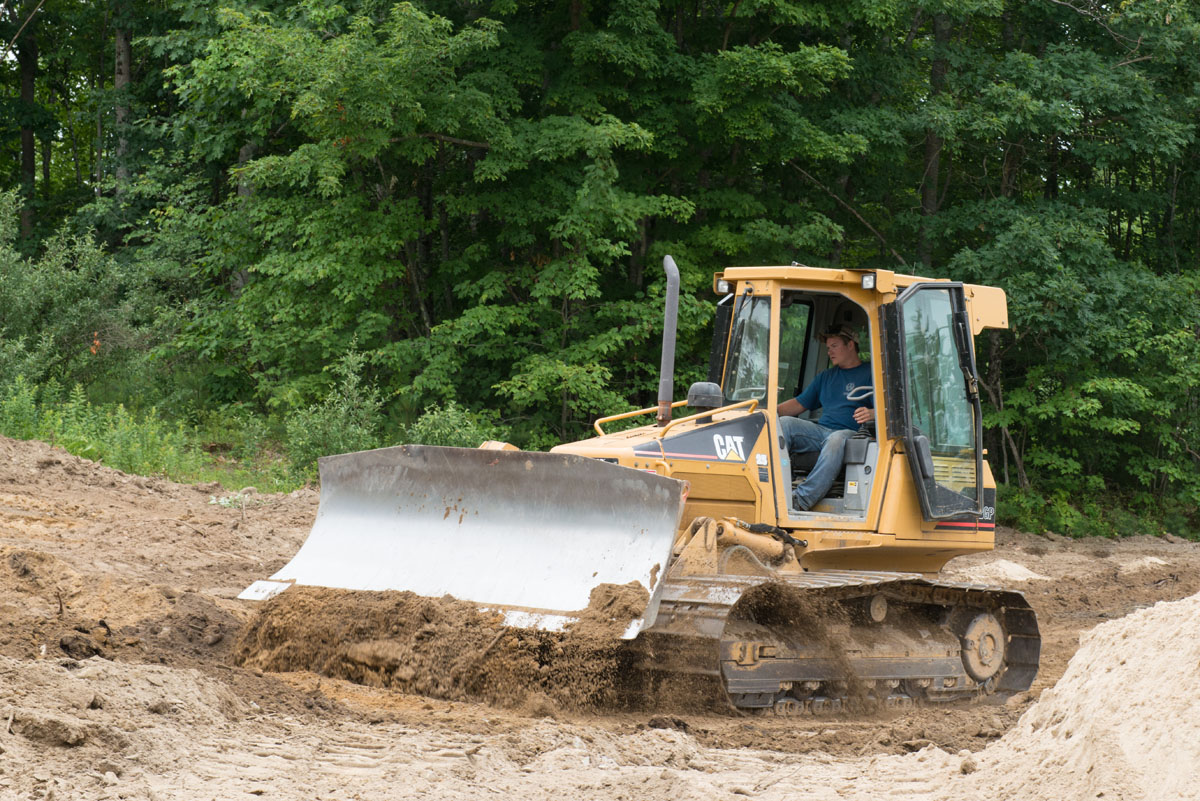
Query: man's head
841	343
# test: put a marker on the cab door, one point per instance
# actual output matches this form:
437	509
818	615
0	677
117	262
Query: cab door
933	398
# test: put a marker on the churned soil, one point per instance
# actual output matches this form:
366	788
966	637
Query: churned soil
444	648
129	669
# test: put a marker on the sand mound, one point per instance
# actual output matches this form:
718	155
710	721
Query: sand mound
1123	722
1144	563
1001	571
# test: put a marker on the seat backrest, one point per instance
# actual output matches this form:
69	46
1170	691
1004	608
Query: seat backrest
854	452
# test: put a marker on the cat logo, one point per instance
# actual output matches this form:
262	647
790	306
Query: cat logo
729	447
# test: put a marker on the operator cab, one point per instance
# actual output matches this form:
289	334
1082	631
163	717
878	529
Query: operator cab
917	335
803	314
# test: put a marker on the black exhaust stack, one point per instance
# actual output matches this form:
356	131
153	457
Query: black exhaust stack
666	381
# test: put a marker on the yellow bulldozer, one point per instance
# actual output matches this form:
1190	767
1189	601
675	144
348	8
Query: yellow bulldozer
782	609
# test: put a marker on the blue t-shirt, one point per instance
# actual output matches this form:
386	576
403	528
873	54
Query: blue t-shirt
828	392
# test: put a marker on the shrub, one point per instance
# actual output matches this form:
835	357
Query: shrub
454	426
346	420
237	430
19	414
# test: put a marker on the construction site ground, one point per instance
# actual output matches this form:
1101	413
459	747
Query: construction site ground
129	669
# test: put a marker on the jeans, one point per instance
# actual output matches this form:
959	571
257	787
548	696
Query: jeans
803	436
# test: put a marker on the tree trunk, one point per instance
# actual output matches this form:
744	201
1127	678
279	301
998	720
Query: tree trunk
1169	217
444	228
245	153
933	142
1051	191
241	278
75	157
423	265
46	168
27	63
417	280
122	76
418	253
97	87
845	181
1014	154
637	254
1133	188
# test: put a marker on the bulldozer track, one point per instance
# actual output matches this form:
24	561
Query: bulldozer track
825	641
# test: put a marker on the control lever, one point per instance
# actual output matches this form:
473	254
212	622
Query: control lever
861	393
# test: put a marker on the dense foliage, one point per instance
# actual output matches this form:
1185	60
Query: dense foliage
361	220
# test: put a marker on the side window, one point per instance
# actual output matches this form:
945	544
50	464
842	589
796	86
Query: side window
746	367
795	318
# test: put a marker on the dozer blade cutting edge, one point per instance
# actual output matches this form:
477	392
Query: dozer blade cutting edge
530	534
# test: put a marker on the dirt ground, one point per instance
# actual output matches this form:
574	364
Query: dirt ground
129	669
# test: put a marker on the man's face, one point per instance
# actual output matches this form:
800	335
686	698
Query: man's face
841	353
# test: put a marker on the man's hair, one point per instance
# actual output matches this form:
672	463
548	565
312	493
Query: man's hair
842	330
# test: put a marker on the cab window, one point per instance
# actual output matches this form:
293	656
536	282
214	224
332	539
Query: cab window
746	367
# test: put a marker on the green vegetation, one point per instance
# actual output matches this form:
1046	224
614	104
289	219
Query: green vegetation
346	420
295	228
142	443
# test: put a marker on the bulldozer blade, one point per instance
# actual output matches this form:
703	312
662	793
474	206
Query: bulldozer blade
529	534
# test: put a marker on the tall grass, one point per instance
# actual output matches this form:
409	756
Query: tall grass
231	445
134	442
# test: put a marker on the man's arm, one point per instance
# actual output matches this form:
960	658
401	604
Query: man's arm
790	408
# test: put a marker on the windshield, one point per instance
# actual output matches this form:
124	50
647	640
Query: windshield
746	367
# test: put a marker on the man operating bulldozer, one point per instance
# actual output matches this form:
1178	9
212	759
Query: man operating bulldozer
840	416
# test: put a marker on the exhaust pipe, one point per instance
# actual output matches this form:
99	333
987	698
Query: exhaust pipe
666	381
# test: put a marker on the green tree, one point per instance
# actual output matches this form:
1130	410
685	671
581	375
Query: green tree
476	198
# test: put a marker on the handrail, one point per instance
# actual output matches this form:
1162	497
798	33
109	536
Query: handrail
752	403
627	415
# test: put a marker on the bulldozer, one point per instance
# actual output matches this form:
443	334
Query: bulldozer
782	610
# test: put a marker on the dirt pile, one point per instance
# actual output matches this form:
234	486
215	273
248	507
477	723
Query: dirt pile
445	648
1123	721
610	609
